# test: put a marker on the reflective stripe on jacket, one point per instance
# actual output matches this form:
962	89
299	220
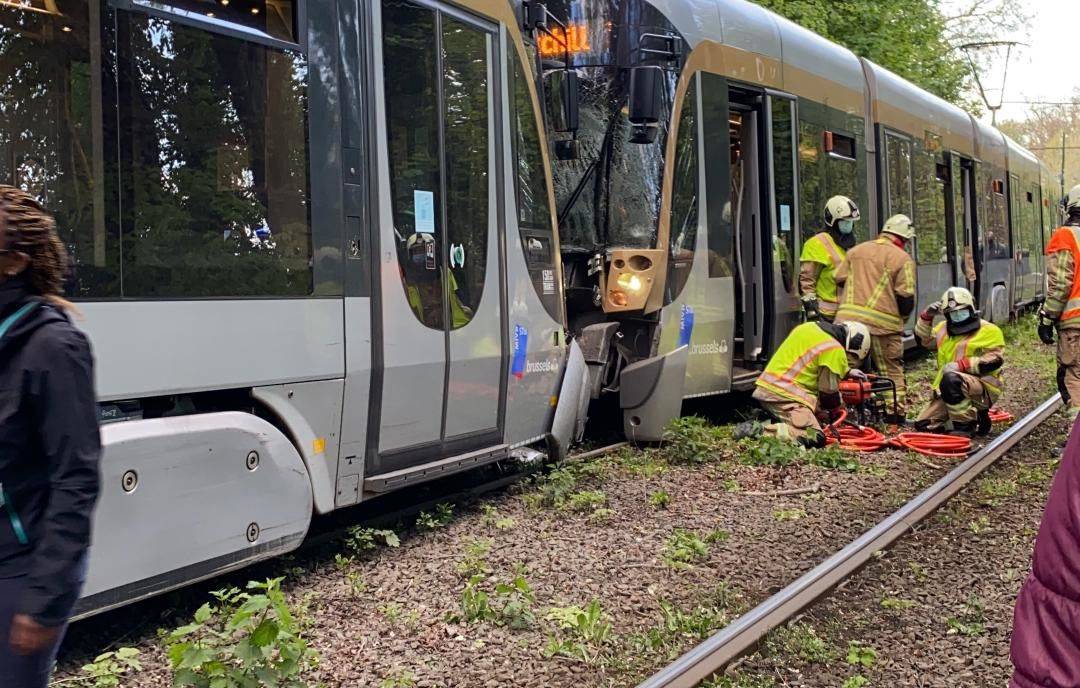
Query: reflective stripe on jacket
1065	239
792	372
872	276
952	349
823	250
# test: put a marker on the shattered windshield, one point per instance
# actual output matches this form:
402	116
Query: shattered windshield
610	195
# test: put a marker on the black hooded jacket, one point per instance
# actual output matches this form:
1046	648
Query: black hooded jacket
49	453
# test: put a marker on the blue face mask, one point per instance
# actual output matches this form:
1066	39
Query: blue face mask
847	226
961	315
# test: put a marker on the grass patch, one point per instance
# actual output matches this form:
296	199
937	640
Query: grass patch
788	514
802	641
993	490
693	440
896	603
683	548
970	621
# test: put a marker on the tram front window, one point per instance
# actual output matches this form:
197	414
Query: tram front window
610	195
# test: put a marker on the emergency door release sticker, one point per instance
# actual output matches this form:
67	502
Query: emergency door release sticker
424	211
785	218
520	346
548	277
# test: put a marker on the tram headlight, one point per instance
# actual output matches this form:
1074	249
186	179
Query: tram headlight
630	282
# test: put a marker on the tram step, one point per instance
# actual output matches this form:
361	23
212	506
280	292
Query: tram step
743	379
436	469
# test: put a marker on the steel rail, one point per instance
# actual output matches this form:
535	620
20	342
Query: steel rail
745	633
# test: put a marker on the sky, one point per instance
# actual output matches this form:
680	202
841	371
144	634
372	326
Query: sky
1047	67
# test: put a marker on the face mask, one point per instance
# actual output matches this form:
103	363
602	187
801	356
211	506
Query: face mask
959	316
847	226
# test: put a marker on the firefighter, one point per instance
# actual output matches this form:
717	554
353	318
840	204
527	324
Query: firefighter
1061	310
802	380
970	354
877	282
822	255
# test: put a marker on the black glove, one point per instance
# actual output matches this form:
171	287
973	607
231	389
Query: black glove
810	305
1046	329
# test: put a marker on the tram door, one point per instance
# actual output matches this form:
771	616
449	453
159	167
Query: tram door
442	324
743	121
964	248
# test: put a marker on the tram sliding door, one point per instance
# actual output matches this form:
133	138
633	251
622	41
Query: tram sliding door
782	192
442	335
744	119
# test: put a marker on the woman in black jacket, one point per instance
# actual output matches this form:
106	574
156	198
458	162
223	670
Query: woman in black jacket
49	444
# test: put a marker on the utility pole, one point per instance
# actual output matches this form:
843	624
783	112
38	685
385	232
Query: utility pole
1064	131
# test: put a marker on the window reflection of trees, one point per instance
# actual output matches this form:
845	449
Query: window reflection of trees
191	145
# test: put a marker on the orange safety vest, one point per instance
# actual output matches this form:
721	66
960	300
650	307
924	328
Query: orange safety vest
1068	239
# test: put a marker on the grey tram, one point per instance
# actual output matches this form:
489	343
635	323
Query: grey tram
710	134
313	246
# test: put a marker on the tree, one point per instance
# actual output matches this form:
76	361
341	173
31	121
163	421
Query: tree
1042	133
917	39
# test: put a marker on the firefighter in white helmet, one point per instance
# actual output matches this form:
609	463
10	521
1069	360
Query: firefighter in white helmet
970	355
822	255
1061	310
877	289
802	381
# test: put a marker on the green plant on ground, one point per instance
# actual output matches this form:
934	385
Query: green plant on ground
683	548
514	602
360	540
444	513
401	679
474	602
801	640
717	535
580	633
860	654
659	499
677	625
993	490
970	621
856	681
586	501
693	440
474	562
740	680
647	463
342	562
771	452
107	670
919	571
601	515
789	514
1035	475
245	638
355	581
554	488
834	458
731	485
896	603
979	525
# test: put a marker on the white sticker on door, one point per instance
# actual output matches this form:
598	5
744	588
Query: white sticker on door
424	210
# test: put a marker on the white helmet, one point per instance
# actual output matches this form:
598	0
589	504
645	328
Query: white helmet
840	208
958	307
856	340
1072	201
899	225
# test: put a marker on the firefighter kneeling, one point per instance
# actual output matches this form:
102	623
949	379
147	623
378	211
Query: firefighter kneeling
970	354
802	380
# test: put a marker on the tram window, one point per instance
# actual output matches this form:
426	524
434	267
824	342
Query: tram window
50	136
929	218
466	100
412	116
684	201
213	163
995	225
811	179
898	171
272	18
533	209
839	145
784	178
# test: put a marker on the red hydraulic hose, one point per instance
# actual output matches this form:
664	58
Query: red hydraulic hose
999	416
933	444
854	437
863	439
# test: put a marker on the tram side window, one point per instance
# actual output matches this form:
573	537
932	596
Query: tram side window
50	132
898	173
412	116
213	163
533	209
932	244
811	179
684	200
996	225
784	176
466	100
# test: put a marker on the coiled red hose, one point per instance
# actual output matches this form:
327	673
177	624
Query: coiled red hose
863	439
999	416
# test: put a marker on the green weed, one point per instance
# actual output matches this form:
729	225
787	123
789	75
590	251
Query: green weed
993	490
861	655
586	501
802	641
789	514
360	540
856	681
683	548
693	440
731	486
677	625
834	458
474	563
581	633
444	513
107	670
970	621
896	603
402	679
1036	475
771	451
659	499
979	525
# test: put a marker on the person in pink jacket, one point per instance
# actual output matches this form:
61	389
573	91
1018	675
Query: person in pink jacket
1046	623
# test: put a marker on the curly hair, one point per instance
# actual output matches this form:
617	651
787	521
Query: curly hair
29	228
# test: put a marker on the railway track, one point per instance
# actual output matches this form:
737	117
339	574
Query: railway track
740	637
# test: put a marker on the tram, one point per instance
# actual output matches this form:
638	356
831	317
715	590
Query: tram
710	133
314	249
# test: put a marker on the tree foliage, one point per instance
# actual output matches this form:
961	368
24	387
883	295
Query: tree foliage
909	37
